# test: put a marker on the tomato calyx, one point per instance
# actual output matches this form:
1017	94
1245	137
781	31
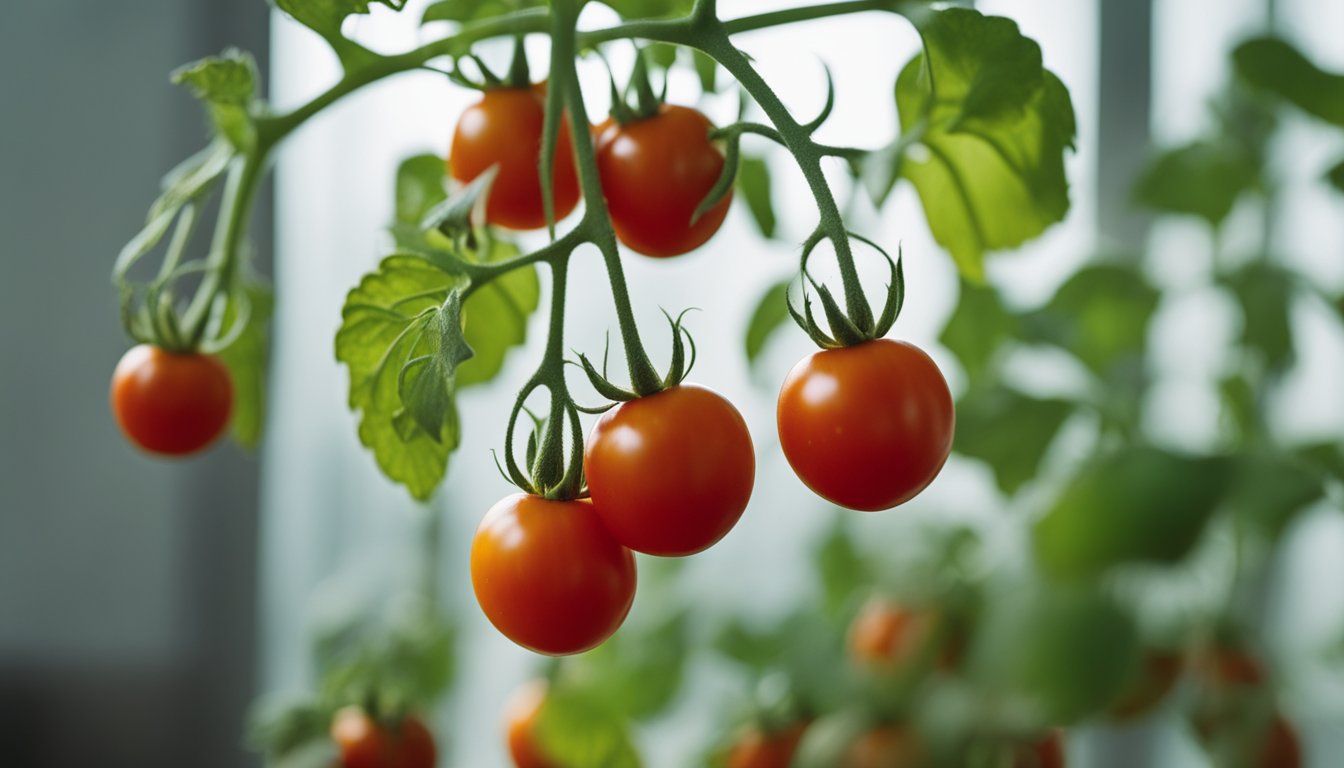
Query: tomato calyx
683	359
551	474
647	103
846	330
519	75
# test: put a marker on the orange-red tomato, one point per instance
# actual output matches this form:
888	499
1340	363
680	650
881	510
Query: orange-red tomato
885	747
520	719
670	473
886	636
1282	748
1047	752
504	129
549	576
171	404
1154	681
758	748
366	743
655	172
866	427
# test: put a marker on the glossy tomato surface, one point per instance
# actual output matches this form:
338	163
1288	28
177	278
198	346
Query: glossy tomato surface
655	172
366	743
866	427
549	576
520	720
671	473
504	129
171	404
758	748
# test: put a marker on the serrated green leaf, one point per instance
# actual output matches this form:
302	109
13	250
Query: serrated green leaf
753	179
1202	179
227	84
471	10
325	16
1264	294
1139	504
577	730
246	358
771	313
1276	66
979	327
993	125
1008	431
1100	315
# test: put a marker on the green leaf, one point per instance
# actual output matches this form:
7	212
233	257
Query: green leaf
1265	294
227	84
1101	315
707	70
383	326
420	187
325	16
578	731
246	358
1065	651
1202	179
1009	431
979	327
1336	176
1276	66
1270	489
1139	504
453	216
650	9
637	673
495	317
753	179
280	725
841	569
771	313
993	125
426	384
472	10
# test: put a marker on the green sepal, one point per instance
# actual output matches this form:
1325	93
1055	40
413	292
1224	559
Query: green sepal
846	332
827	108
808	323
891	309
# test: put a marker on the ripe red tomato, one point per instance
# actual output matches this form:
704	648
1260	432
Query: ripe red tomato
1282	748
549	576
885	747
367	743
885	636
171	404
1154	681
670	473
866	427
520	719
758	748
655	172
1048	752
504	129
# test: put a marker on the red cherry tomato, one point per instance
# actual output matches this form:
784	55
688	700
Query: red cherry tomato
887	637
1155	680
520	720
366	743
1282	748
549	576
1048	752
655	172
504	129
866	427
670	473
171	404
758	748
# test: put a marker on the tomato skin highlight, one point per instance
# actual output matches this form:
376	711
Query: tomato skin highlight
757	748
171	404
549	576
520	720
655	171
866	427
365	743
670	474
504	128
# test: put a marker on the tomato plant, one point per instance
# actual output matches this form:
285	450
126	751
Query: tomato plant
656	171
368	743
549	576
670	473
171	404
503	131
866	427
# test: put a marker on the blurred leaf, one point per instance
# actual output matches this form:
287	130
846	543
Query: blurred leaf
994	126
826	741
707	70
1009	431
1276	66
318	753
753	647
1265	294
246	358
227	84
1139	504
419	187
650	9
1270	489
1066	651
580	731
281	725
325	16
1101	315
1202	179
978	328
841	569
636	673
1336	176
771	313
1239	405
1326	457
471	10
753	179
